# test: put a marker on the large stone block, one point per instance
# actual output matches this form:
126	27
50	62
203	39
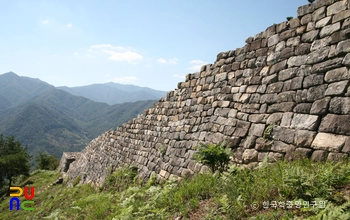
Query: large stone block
336	8
303	108
329	142
304	138
313	80
317	55
320	107
340	105
319	155
327	65
301	153
281	107
297	61
343	47
305	122
316	92
257	130
337	88
337	75
329	29
283	134
310	36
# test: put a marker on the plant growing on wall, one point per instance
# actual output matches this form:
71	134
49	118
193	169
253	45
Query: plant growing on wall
289	18
216	156
311	1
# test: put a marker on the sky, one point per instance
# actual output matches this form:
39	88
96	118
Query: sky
149	43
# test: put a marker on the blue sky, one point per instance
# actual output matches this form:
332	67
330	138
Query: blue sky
152	43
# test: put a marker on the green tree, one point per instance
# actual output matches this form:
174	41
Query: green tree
216	156
47	162
14	160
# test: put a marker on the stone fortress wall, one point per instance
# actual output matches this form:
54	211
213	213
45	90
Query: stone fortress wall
284	95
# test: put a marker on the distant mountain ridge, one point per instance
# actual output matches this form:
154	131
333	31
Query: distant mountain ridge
51	120
114	93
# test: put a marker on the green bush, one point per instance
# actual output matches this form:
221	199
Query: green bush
216	156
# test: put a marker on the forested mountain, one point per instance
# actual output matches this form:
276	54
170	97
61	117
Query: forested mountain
51	120
114	93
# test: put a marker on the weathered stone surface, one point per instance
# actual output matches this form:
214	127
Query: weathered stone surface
274	157
305	122
323	22
287	74
346	148
250	155
320	107
304	138
329	142
318	44
297	61
336	156
302	49
303	108
340	105
346	60
337	88
337	75
283	134
329	29
316	92
335	124
343	47
313	80
341	16
319	155
336	8
257	130
281	107
301	153
286	119
274	87
319	14
310	36
317	55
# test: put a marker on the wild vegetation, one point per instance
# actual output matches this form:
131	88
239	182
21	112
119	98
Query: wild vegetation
295	190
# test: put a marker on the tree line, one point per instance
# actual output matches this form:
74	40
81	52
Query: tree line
16	161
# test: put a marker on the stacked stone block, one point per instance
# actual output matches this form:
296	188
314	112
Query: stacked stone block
284	95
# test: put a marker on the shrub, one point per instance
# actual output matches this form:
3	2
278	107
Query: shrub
216	156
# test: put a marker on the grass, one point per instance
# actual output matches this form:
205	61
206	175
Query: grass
234	194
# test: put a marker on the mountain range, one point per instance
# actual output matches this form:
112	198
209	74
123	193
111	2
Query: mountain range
114	93
50	120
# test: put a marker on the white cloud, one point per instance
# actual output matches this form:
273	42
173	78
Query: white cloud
123	56
173	61
69	25
124	79
161	60
116	53
45	22
179	76
196	65
197	62
169	61
76	54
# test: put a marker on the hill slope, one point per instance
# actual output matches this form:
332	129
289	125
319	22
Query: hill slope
51	120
